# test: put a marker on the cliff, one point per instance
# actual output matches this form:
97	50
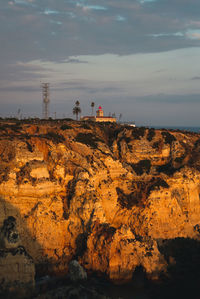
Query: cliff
104	194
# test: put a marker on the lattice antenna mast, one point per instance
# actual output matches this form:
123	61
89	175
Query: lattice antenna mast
46	100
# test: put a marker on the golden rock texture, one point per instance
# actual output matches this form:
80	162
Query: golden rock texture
103	194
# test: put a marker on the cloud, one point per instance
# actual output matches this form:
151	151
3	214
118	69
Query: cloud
56	30
120	18
20	88
170	99
193	34
178	34
160	71
48	11
75	60
21	72
146	1
194	23
56	22
22	2
86	7
195	78
91	88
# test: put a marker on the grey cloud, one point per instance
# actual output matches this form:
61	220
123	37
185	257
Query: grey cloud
195	78
170	99
75	60
89	87
160	71
177	7
30	30
12	72
21	89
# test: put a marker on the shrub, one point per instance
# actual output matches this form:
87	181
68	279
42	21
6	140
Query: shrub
68	119
104	230
110	131
142	166
151	134
194	160
128	200
15	127
197	228
130	147
138	133
2	128
156	183
127	139
197	143
169	138
55	137
156	145
85	126
88	139
179	159
167	169
65	127
4	172
23	173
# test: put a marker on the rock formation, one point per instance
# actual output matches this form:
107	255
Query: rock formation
17	270
76	272
104	194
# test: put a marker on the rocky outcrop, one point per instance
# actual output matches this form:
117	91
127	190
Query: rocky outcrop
104	194
76	272
17	270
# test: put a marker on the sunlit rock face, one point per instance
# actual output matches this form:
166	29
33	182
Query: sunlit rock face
103	194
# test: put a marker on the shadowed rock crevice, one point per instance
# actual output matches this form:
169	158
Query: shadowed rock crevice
140	194
70	190
81	245
129	200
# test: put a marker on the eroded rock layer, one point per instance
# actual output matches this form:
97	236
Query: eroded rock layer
104	194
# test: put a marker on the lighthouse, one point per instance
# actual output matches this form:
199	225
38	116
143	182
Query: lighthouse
100	112
99	117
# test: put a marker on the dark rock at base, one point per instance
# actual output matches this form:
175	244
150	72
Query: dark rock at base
17	269
76	271
72	292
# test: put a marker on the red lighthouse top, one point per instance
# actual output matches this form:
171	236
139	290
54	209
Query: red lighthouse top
100	108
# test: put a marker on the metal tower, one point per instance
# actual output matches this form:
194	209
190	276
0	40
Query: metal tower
46	100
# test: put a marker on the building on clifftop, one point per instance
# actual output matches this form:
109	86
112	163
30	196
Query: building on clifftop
99	117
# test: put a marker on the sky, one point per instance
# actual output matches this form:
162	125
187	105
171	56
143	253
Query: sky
138	58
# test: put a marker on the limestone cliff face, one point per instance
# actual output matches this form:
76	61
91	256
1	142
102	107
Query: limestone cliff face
17	269
104	194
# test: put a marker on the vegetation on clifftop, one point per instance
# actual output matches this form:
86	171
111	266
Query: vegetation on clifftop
88	139
143	166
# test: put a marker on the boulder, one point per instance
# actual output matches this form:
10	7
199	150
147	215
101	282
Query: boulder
76	271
